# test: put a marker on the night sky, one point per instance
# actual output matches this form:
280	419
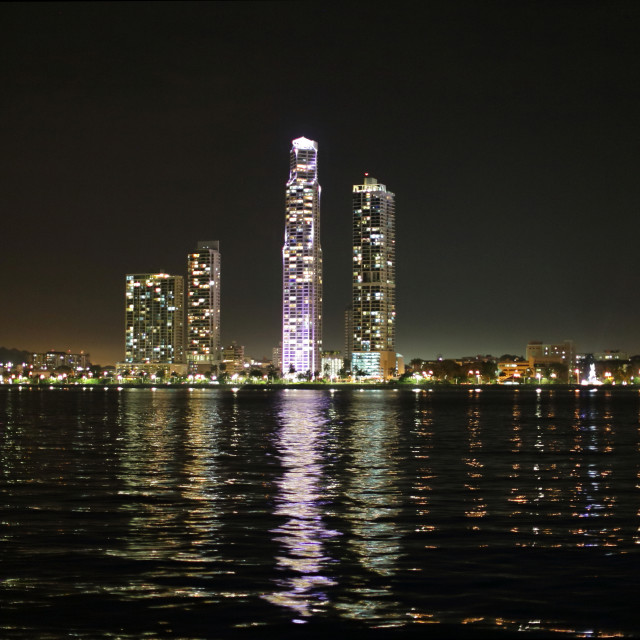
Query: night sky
509	132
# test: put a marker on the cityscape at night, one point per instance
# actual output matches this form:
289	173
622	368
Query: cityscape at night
163	345
320	320
507	132
173	335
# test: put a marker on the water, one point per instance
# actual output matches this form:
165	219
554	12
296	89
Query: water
213	513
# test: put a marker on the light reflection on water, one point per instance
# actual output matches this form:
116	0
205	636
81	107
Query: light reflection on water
372	500
210	510
303	533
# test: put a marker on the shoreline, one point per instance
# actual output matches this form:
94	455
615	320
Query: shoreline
432	388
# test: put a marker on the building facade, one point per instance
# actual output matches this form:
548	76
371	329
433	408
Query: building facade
348	336
154	318
514	372
203	304
609	355
51	360
233	359
560	353
374	280
302	264
332	364
276	357
560	356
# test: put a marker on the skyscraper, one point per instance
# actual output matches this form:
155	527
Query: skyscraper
374	281
203	304
154	318
302	263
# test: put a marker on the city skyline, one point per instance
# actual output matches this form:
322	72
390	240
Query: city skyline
508	131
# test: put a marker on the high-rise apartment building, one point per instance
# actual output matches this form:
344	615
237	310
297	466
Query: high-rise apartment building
203	304
374	280
302	263
154	318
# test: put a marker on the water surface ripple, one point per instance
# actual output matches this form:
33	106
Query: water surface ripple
218	513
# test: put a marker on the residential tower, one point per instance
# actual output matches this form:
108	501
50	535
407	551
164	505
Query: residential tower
203	304
302	264
374	280
154	320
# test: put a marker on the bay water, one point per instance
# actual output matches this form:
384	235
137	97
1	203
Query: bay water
214	513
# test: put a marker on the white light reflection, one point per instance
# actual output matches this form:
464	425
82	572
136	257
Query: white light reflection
373	507
591	498
303	559
475	503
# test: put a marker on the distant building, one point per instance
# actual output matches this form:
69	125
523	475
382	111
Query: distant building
276	357
514	372
51	360
332	363
373	277
560	353
374	364
348	335
615	354
478	358
263	365
203	304
302	263
233	358
154	320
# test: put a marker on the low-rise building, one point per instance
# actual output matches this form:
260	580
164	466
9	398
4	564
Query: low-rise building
380	365
560	353
614	354
513	372
150	371
233	359
332	363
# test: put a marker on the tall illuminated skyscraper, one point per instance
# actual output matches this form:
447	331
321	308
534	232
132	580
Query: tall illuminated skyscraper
374	279
302	263
203	304
154	318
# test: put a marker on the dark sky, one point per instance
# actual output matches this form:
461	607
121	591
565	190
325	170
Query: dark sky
509	132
